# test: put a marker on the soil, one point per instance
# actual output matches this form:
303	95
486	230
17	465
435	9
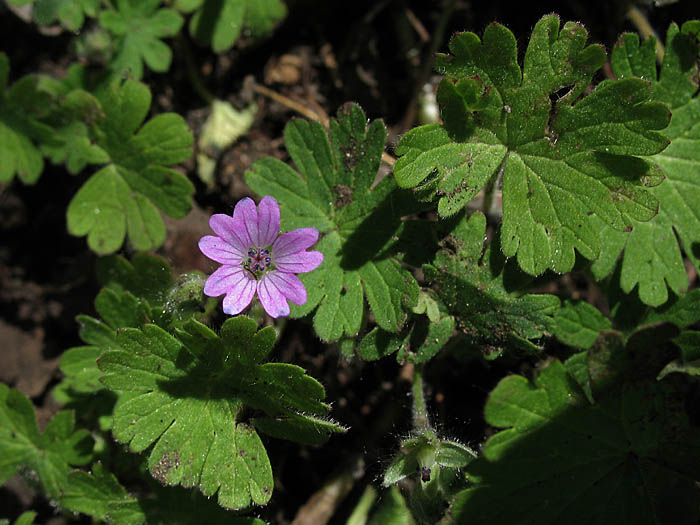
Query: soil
376	53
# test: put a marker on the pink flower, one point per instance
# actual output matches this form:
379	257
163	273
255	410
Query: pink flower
255	258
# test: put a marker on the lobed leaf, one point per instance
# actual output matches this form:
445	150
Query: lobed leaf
122	199
49	455
219	24
652	259
564	157
136	292
20	128
421	341
188	393
70	13
628	458
332	192
139	26
474	288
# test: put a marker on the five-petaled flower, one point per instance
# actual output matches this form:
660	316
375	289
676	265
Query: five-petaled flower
256	258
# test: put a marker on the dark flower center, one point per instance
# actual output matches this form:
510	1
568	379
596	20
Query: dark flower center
258	260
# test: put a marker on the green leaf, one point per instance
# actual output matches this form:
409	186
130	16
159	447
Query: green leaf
49	455
219	24
563	156
189	393
682	312
26	518
70	13
652	258
118	309
578	324
475	287
136	292
629	458
20	129
139	27
100	495
421	341
689	362
123	197
146	275
392	509
332	193
74	148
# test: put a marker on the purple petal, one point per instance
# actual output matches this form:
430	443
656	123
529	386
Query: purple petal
300	262
289	286
237	301
225	227
217	249
268	221
294	241
271	297
245	214
225	280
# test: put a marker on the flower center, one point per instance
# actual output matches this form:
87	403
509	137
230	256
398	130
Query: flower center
258	260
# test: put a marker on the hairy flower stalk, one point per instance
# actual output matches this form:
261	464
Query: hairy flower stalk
256	259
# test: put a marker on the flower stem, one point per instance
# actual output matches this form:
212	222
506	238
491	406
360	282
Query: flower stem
421	420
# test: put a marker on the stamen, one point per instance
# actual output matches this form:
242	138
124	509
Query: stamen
258	259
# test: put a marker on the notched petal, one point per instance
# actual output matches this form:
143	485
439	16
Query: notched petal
227	228
294	241
271	297
245	215
238	299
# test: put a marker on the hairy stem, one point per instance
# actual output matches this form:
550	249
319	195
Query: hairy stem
421	421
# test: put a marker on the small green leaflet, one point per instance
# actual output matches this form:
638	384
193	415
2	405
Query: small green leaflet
652	258
630	457
578	324
473	283
139	25
123	197
416	344
70	13
20	130
563	156
49	455
362	224
219	24
187	397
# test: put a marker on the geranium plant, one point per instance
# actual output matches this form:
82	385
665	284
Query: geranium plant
538	241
